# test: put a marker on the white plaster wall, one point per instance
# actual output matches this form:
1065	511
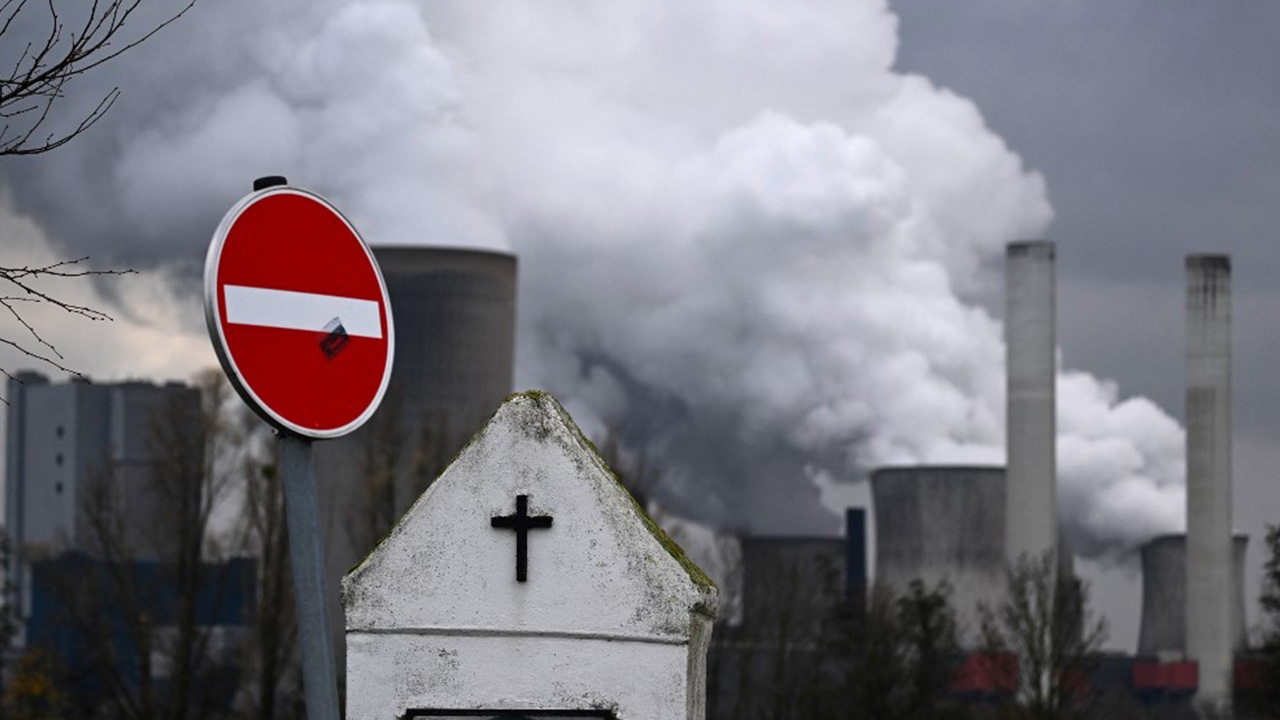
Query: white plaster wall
609	618
388	674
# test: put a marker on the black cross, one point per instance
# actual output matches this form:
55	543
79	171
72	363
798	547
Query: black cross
522	523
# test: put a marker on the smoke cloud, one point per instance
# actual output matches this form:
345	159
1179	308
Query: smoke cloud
747	242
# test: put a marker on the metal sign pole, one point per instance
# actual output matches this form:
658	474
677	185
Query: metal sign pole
270	229
306	550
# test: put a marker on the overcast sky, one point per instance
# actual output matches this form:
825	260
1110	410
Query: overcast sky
1157	126
782	223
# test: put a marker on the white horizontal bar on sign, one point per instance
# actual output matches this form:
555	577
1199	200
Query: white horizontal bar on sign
301	311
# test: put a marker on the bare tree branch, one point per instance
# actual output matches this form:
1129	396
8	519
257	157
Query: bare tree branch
38	77
32	80
27	287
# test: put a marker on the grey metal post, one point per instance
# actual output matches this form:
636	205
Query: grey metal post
306	550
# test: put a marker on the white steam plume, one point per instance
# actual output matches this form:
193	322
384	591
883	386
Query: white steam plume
744	236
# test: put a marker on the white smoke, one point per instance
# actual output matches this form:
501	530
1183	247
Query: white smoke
745	239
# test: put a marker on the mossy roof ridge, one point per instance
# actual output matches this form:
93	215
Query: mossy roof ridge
545	400
695	573
465	446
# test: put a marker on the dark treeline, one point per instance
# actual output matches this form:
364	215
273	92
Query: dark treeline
808	652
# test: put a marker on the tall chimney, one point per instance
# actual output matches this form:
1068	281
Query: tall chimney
1031	518
1209	561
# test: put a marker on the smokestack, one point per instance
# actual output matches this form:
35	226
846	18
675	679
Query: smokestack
1031	518
1209	562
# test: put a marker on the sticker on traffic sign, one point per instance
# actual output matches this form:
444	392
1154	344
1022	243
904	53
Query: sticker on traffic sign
298	313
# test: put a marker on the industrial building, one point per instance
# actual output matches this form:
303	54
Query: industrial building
62	439
1193	596
942	524
455	314
82	457
1163	633
960	525
79	604
801	597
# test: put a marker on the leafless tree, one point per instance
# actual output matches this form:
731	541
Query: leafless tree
152	553
1266	701
45	45
780	662
25	287
272	685
63	41
399	461
635	470
1045	620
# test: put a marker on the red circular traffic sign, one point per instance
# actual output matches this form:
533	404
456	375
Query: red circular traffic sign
298	313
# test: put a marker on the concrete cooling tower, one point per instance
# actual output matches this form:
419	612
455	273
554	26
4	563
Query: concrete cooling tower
942	523
455	313
1163	633
455	316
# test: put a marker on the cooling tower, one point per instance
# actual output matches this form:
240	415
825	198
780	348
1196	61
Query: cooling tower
1031	507
455	314
455	350
942	523
1164	620
790	584
1208	416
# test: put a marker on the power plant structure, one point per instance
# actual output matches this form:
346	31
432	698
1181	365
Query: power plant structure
961	524
455	313
455	320
65	439
100	480
1031	516
1163	633
782	573
942	524
1208	416
455	317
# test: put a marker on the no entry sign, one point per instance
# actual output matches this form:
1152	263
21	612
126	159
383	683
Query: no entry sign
298	313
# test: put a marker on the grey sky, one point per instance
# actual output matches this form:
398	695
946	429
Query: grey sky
1157	126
